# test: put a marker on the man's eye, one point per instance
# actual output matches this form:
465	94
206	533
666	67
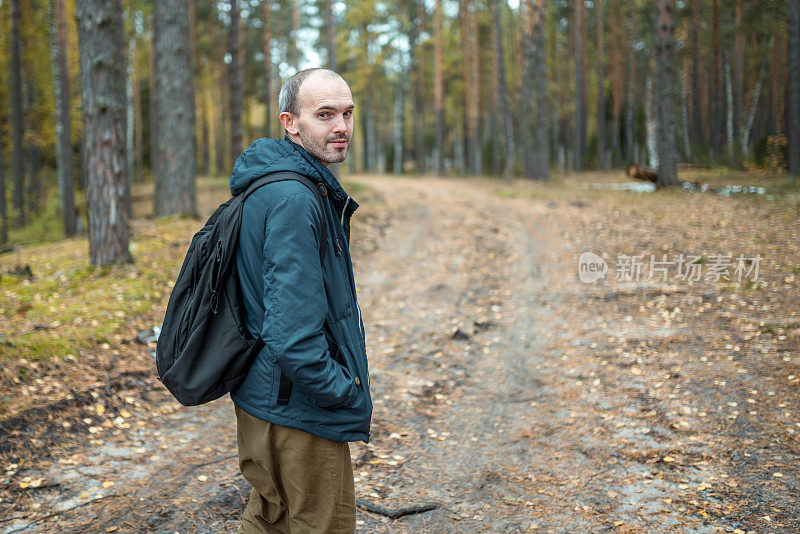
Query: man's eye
323	115
348	113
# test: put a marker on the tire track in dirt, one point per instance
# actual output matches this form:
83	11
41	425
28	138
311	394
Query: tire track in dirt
456	404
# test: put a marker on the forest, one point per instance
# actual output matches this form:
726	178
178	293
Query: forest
503	151
478	87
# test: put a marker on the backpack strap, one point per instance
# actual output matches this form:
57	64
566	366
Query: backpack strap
288	175
285	385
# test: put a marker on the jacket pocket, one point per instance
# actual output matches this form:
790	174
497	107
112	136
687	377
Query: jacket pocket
334	350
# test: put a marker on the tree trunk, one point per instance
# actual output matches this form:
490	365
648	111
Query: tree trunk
129	111
267	23
698	111
793	99
466	50
541	145
524	90
138	134
496	138
717	84
204	146
665	86
630	108
419	92
175	190
738	86
222	131
153	112
102	59
367	111
331	35
3	205
580	84
438	89
687	142
651	123
601	91
61	90
748	126
476	96
729	111
617	75
32	150
502	89
368	129
17	165
397	164
235	79
775	84
294	38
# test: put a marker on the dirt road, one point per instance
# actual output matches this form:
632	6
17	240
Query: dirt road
505	390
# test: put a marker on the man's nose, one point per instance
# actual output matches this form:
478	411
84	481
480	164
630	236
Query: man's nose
340	124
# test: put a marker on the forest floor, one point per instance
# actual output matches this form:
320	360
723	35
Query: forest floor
505	389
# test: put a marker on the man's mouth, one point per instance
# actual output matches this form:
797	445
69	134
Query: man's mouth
339	142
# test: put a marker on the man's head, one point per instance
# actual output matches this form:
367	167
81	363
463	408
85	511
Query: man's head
317	113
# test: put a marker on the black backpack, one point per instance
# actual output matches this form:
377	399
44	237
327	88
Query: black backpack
204	350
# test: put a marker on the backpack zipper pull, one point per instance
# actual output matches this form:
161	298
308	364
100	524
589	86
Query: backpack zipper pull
338	247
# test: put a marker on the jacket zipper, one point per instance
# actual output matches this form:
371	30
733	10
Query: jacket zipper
352	282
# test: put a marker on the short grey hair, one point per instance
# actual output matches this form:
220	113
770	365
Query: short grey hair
287	98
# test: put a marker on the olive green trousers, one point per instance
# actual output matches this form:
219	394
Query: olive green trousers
301	482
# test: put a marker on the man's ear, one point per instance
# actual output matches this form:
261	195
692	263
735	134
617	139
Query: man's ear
289	122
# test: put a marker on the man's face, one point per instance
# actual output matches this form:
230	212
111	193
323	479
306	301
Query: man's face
324	124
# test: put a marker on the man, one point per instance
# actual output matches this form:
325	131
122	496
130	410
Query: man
307	393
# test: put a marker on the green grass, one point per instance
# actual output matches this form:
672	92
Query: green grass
70	305
47	224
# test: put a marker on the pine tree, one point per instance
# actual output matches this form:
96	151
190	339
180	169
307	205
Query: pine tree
175	190
102	58
665	87
602	162
541	150
267	37
235	78
580	83
793	97
17	167
438	88
62	97
3	205
507	132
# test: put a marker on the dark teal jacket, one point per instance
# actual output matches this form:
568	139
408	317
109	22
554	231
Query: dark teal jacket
306	311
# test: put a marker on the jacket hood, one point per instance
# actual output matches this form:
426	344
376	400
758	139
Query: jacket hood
265	156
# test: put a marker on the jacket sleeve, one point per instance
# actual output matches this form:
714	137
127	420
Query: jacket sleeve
295	303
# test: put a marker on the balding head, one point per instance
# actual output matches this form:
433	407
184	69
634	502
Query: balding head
289	96
317	113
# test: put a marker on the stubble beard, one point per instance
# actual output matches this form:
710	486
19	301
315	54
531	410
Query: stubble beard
319	148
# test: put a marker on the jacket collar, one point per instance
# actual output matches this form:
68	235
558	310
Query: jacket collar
337	192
